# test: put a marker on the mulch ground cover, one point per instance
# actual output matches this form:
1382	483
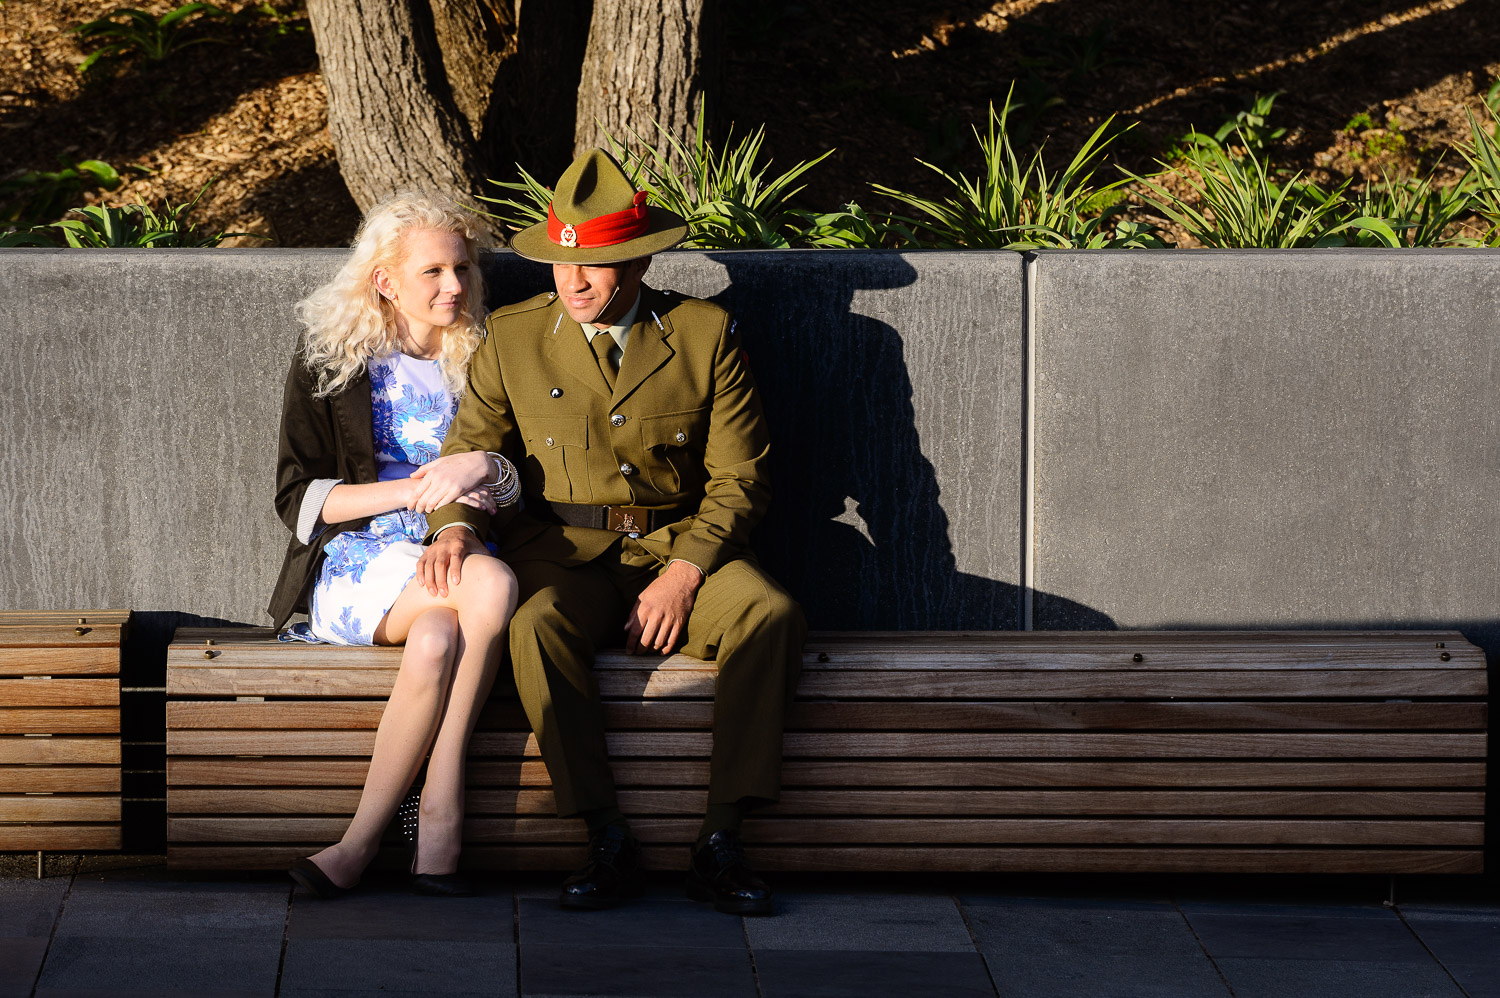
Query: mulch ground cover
1367	88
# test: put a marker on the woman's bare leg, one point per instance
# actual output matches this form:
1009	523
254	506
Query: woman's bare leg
407	727
484	600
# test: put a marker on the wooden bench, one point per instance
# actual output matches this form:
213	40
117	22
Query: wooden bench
60	729
1293	752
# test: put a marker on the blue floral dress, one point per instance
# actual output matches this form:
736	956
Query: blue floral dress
365	570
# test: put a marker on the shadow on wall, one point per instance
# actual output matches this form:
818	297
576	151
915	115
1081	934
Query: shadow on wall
856	531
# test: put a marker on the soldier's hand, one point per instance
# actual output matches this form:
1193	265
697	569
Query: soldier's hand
660	614
441	564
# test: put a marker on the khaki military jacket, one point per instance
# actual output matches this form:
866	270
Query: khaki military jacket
683	428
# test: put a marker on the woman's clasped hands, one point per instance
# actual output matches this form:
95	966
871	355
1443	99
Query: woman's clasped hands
452	478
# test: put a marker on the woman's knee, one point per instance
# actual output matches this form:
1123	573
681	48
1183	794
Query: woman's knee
487	584
431	645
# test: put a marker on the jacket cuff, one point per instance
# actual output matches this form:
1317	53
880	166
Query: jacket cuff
706	555
310	513
456	512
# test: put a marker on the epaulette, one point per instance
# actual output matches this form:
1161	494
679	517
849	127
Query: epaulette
529	305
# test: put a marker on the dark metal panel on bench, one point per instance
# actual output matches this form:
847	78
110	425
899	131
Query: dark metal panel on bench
1177	751
60	729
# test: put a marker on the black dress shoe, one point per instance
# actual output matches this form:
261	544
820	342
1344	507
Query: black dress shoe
719	874
311	877
612	873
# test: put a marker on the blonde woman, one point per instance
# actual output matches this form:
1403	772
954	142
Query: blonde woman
372	388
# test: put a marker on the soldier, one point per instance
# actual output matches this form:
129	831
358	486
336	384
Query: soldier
642	452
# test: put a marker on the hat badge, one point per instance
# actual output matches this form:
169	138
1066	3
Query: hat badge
569	236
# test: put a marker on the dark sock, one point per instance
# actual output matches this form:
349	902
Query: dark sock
601	817
718	818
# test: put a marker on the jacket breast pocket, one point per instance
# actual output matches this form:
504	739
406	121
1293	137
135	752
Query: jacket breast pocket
559	446
674	443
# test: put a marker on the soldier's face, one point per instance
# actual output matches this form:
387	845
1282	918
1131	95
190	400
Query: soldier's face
598	293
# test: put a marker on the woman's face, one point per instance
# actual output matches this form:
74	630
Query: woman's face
430	283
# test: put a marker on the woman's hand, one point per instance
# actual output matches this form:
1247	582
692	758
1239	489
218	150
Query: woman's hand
479	499
445	479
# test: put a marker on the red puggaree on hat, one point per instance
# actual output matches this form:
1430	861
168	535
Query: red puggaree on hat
597	216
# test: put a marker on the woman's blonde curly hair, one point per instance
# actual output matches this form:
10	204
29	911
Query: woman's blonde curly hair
348	323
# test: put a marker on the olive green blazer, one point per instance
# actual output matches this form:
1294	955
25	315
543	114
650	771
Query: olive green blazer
683	428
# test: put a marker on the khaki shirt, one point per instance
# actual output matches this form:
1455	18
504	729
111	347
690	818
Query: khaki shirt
683	428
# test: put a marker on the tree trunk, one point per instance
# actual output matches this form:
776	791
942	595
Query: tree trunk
391	111
648	62
474	37
532	120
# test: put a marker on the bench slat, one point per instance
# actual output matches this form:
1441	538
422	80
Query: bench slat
1225	803
61	837
56	807
82	661
291	715
272	772
59	721
951	859
899	745
25	751
59	692
890	831
60	779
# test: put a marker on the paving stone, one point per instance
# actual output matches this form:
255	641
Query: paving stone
392	915
1466	942
159	992
1304	932
1335	979
1090	949
1282	951
848	974
887	922
29	907
661	971
167	963
644	923
420	965
20	959
152	911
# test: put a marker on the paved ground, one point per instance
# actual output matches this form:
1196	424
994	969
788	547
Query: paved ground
144	931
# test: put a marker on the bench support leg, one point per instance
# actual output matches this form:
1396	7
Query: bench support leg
1390	898
39	864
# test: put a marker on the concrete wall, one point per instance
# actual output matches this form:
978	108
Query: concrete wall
144	389
1214	439
1271	438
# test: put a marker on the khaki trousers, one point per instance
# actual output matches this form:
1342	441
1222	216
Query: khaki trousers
742	620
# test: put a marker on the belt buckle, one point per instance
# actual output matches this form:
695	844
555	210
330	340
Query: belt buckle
627	519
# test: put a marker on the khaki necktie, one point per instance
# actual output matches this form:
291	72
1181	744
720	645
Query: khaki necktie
604	344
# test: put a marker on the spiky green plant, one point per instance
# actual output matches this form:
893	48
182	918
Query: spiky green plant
1014	206
723	190
39	196
126	226
1416	212
1482	153
127	30
1241	203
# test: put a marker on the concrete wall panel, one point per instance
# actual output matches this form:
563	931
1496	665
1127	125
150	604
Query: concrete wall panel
1269	438
143	392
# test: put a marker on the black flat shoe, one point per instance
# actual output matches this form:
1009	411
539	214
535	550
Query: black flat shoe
612	873
718	873
433	885
311	878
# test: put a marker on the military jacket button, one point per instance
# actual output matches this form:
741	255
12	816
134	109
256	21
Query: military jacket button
617	420
549	441
557	393
627	468
681	437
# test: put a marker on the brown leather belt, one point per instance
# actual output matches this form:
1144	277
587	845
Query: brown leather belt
624	519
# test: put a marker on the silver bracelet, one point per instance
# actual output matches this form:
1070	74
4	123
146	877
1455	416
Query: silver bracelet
505	490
